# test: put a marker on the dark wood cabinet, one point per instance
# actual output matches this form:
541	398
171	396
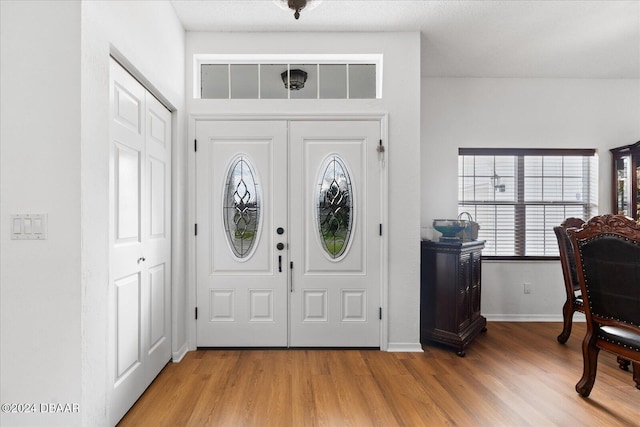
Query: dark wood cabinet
626	180
450	293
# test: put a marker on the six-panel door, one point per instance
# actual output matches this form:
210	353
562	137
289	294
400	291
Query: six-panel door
139	293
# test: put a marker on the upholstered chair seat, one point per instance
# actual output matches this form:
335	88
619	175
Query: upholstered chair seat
620	337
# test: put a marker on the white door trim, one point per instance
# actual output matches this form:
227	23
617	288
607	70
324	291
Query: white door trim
139	76
191	290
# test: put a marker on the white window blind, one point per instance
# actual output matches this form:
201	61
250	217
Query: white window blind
518	196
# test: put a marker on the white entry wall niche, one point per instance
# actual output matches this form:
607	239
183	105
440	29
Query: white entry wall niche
259	297
104	32
400	102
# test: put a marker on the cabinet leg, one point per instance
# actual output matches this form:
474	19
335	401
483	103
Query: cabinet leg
484	329
461	353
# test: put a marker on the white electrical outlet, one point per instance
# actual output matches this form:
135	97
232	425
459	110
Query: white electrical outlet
527	288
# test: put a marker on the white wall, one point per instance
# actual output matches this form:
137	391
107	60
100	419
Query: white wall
521	113
401	100
55	130
150	37
40	173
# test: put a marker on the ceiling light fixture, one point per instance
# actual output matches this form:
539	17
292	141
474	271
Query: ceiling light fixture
297	79
297	5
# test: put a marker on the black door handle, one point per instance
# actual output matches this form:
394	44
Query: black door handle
280	263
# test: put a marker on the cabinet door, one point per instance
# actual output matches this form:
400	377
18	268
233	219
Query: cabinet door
622	190
636	184
476	273
463	292
626	180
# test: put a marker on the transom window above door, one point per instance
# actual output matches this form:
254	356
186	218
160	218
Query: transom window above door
288	77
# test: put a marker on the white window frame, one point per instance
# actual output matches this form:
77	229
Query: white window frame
521	202
268	59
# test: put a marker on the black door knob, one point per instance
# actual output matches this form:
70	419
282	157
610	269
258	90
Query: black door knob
280	246
280	230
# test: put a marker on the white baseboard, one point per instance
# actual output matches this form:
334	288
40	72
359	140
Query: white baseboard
405	347
178	355
529	318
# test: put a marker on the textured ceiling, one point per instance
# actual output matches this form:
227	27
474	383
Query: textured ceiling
561	39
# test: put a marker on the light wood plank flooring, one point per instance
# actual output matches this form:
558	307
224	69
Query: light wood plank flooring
516	374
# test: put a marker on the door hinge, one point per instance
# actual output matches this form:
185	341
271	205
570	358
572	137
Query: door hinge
195	145
381	229
380	147
196	229
380	313
196	313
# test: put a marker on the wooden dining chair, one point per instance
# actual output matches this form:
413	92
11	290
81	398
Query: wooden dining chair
607	250
571	283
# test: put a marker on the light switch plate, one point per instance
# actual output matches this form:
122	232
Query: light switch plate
29	227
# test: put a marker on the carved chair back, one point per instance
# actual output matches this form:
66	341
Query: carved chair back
573	302
608	267
567	257
607	252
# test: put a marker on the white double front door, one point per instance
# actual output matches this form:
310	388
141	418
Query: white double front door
288	233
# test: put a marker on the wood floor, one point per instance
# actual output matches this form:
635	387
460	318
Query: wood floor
514	375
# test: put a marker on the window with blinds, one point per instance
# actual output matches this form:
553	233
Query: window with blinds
518	196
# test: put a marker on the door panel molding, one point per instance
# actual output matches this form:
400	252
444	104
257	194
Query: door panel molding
352	261
223	260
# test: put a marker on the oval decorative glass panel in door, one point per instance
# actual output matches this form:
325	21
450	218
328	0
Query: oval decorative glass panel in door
334	213
241	207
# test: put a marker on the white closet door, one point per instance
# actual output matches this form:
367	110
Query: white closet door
139	295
